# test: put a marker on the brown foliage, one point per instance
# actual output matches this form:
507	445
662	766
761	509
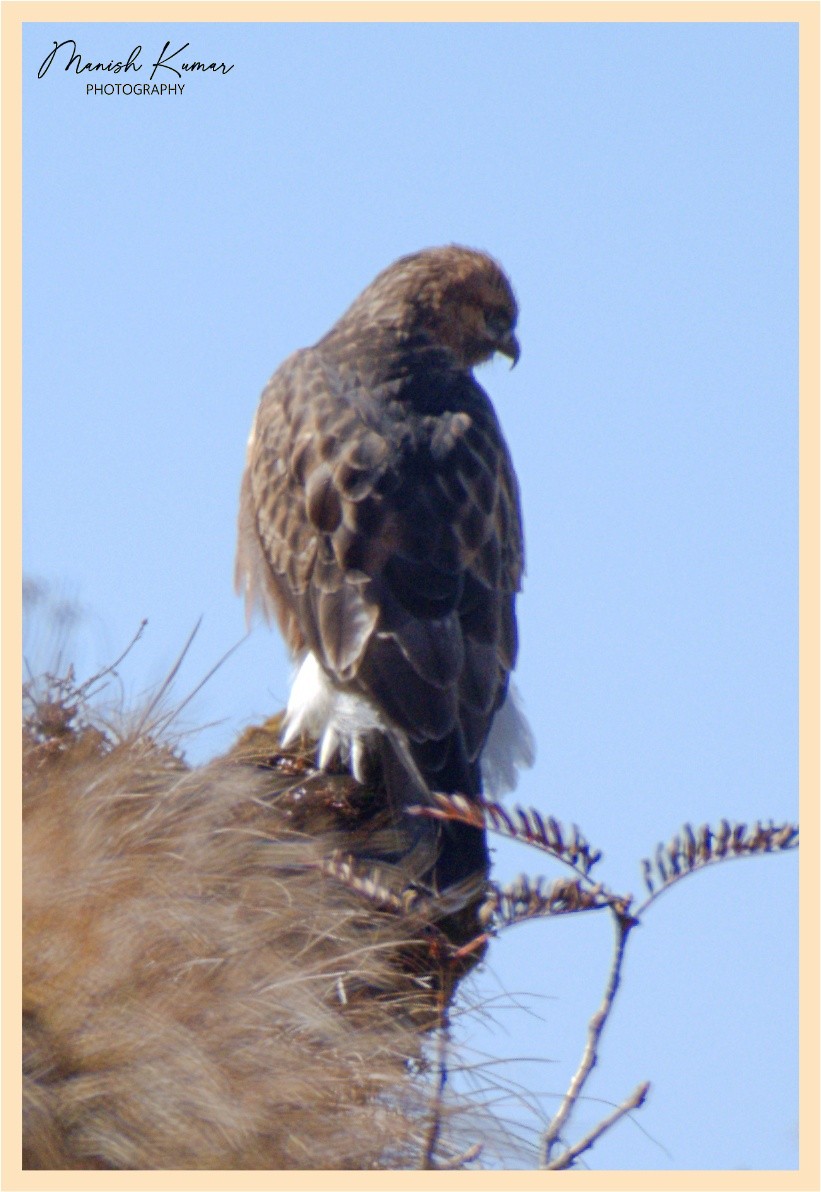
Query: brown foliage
235	966
201	990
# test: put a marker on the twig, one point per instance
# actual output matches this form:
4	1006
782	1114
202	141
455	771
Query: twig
84	689
624	924
174	713
568	1157
168	680
437	1101
459	1161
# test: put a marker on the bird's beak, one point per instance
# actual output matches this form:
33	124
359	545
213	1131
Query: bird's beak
509	346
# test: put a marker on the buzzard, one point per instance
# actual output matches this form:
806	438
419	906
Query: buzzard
380	525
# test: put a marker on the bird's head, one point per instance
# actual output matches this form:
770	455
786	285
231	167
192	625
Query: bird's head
458	297
465	300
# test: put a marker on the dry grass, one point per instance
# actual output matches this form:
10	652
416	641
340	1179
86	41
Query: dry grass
234	966
200	991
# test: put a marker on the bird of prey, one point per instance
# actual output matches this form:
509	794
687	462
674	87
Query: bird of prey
380	525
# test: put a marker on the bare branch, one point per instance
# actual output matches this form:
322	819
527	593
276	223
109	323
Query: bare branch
459	1161
568	1157
624	925
434	1128
84	690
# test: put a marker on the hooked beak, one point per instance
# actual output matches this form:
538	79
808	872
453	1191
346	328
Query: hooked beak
509	346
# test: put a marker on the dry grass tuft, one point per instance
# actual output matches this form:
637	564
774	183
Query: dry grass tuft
238	966
202	989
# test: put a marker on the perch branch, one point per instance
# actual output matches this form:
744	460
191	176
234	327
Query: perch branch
624	924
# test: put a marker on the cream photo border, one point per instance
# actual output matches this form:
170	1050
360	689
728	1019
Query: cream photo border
806	16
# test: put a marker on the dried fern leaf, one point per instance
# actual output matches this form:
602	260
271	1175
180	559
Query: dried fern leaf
565	842
691	849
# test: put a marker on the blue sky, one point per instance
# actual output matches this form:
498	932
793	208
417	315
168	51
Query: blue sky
638	183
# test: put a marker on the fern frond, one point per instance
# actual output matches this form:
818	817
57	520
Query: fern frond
373	885
691	849
564	842
528	898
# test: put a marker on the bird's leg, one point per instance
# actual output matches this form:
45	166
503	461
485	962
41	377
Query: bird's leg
342	724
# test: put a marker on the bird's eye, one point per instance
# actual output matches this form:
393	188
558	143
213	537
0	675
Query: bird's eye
497	323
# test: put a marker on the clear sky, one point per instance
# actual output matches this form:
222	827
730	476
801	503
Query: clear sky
638	183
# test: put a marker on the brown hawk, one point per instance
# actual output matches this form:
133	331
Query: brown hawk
380	524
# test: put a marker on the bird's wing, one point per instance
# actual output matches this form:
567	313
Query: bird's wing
389	542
